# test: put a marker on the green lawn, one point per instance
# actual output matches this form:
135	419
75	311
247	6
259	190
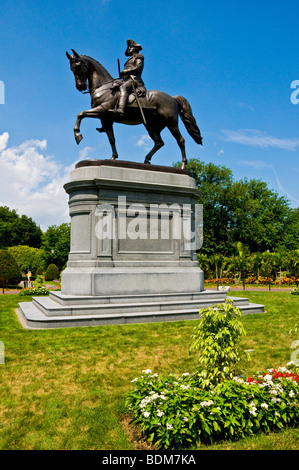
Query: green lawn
65	388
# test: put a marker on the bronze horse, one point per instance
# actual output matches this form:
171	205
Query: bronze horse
159	109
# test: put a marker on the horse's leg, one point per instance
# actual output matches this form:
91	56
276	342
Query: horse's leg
93	113
181	143
155	135
108	128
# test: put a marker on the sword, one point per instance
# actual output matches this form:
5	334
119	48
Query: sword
137	99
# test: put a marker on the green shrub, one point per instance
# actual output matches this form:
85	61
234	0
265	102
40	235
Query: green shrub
39	271
39	281
52	273
216	337
9	270
174	413
295	291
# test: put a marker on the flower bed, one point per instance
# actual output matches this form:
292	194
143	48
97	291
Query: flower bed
174	412
38	290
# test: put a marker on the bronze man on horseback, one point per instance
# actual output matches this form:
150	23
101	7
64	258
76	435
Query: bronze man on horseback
110	102
131	75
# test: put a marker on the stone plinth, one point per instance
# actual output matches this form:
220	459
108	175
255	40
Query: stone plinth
135	230
142	253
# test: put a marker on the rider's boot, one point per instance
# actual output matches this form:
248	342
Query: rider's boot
120	111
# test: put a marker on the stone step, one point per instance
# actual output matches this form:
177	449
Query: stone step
32	317
52	308
67	299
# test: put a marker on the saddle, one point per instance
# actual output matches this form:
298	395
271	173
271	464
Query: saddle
140	91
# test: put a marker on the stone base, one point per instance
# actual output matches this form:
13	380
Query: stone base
59	310
146	270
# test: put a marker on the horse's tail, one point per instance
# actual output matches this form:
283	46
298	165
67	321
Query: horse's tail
188	118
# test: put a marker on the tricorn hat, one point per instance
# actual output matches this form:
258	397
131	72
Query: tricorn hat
130	43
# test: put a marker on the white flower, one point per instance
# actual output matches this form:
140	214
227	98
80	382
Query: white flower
264	405
185	374
147	371
134	380
185	387
268	377
169	426
206	403
186	419
146	414
292	393
160	413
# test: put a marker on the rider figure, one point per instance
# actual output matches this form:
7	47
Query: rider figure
131	75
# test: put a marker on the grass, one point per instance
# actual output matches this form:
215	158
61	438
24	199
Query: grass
65	388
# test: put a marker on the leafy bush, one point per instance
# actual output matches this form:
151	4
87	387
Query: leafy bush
35	291
174	413
52	272
39	271
9	270
39	281
295	291
211	403
216	336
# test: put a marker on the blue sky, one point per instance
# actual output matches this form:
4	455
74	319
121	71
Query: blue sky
233	61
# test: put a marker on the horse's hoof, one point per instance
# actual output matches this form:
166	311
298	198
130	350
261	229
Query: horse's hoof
183	166
78	138
114	157
147	162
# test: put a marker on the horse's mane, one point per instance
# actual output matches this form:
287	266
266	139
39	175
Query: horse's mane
99	67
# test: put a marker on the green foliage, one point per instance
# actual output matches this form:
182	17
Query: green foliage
295	291
28	258
39	281
56	245
174	413
18	230
216	337
245	211
52	272
41	290
9	270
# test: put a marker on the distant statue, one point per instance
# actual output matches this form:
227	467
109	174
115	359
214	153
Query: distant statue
131	75
125	100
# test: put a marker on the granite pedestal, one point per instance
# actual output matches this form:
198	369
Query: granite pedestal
135	230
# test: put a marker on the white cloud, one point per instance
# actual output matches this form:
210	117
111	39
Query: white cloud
32	182
3	140
256	138
143	141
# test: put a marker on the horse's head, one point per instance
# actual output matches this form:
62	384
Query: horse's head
80	69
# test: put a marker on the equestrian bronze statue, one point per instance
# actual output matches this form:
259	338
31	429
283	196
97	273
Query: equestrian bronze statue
125	100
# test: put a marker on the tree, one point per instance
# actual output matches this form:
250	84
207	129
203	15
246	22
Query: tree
27	258
56	245
18	230
51	273
245	211
261	218
9	270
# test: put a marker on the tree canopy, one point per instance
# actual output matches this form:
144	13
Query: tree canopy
18	230
56	245
245	211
